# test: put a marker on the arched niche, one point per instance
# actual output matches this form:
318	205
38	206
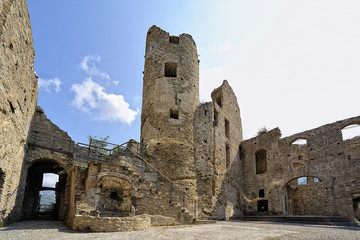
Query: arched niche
261	161
114	196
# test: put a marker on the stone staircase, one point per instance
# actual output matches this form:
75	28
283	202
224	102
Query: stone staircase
313	220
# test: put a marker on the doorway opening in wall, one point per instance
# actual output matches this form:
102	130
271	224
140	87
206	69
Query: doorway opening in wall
262	205
356	206
47	197
45	191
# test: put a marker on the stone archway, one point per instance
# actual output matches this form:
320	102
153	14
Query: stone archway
34	186
306	195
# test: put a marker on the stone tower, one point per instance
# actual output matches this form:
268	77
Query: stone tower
170	99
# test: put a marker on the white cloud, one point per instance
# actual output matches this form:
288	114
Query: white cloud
88	65
49	85
92	98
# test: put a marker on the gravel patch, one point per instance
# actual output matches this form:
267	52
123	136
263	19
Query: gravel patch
41	229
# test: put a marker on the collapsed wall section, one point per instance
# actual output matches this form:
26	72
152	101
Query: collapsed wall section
18	96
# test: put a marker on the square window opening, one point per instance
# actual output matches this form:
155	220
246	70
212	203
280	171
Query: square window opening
170	69
174	113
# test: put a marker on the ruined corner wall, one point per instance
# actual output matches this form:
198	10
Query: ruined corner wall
218	133
18	96
325	157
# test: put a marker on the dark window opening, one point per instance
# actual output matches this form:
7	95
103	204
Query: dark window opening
227	128
205	112
174	113
227	155
174	39
219	101
260	159
262	205
349	157
12	107
170	69
115	196
261	193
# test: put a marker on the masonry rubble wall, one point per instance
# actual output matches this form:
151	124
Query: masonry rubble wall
49	149
138	189
326	157
110	224
170	99
18	96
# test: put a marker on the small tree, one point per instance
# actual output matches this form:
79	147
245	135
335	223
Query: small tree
100	145
262	131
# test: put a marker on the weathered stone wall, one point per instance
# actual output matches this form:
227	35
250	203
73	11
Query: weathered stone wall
325	156
126	187
204	158
110	224
18	96
226	139
49	150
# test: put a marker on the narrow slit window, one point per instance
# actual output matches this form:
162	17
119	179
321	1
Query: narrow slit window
174	113
227	128
2	180
170	69
227	155
12	107
216	118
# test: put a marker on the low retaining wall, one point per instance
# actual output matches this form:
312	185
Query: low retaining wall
110	224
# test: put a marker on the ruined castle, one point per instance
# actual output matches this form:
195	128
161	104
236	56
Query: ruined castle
191	162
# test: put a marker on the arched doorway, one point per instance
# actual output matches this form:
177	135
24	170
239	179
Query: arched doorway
45	191
306	195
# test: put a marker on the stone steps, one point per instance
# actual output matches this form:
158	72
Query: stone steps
314	220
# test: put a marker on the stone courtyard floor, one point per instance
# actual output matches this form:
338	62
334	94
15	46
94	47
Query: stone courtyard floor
40	229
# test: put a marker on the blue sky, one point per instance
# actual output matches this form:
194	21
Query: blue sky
292	64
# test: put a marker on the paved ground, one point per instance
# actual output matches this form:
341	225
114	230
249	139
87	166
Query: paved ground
40	229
